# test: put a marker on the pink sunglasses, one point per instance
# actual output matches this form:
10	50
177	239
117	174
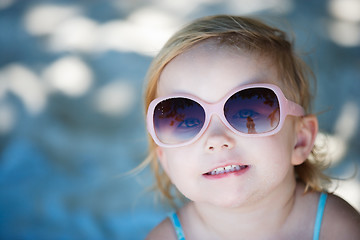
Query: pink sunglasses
253	110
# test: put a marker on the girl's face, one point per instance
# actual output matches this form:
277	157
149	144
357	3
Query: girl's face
210	72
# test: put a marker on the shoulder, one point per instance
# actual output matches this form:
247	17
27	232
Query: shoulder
340	220
163	231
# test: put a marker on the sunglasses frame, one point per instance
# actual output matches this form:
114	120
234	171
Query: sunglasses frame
286	107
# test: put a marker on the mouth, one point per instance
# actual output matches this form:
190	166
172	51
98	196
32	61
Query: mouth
222	171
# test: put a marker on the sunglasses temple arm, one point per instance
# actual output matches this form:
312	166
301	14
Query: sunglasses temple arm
295	109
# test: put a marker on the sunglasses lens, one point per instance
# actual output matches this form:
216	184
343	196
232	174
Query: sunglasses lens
252	111
177	120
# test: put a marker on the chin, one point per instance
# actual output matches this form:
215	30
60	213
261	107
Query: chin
236	203
226	202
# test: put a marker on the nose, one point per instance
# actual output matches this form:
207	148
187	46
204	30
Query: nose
218	137
218	143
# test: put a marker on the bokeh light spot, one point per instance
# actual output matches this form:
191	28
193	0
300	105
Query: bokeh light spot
115	98
69	75
44	19
75	34
348	10
26	85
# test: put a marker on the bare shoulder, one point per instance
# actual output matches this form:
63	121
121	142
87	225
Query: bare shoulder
163	231
340	221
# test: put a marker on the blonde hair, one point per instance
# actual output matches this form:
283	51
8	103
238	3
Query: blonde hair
253	36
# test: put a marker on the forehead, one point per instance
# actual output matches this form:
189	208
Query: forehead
210	71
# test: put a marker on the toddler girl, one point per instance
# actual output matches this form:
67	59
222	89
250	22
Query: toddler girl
228	111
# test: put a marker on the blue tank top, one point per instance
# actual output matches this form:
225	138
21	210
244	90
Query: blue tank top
319	215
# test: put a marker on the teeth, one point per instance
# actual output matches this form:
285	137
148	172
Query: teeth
227	169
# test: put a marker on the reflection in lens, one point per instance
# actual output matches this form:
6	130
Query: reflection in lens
250	125
178	120
252	111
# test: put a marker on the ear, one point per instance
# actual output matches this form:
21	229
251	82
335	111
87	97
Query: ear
162	158
306	131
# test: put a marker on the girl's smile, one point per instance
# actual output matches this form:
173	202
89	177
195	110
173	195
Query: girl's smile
226	171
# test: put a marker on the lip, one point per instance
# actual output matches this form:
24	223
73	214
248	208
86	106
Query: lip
244	169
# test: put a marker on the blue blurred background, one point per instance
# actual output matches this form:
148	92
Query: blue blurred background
71	113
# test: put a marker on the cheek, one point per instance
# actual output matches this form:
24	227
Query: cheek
276	148
274	154
178	163
183	171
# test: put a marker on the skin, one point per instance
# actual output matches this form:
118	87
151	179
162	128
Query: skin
266	195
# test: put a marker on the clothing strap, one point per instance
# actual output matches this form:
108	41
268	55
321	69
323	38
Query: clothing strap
177	226
319	215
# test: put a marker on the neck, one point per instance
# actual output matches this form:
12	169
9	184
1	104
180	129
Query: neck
269	215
